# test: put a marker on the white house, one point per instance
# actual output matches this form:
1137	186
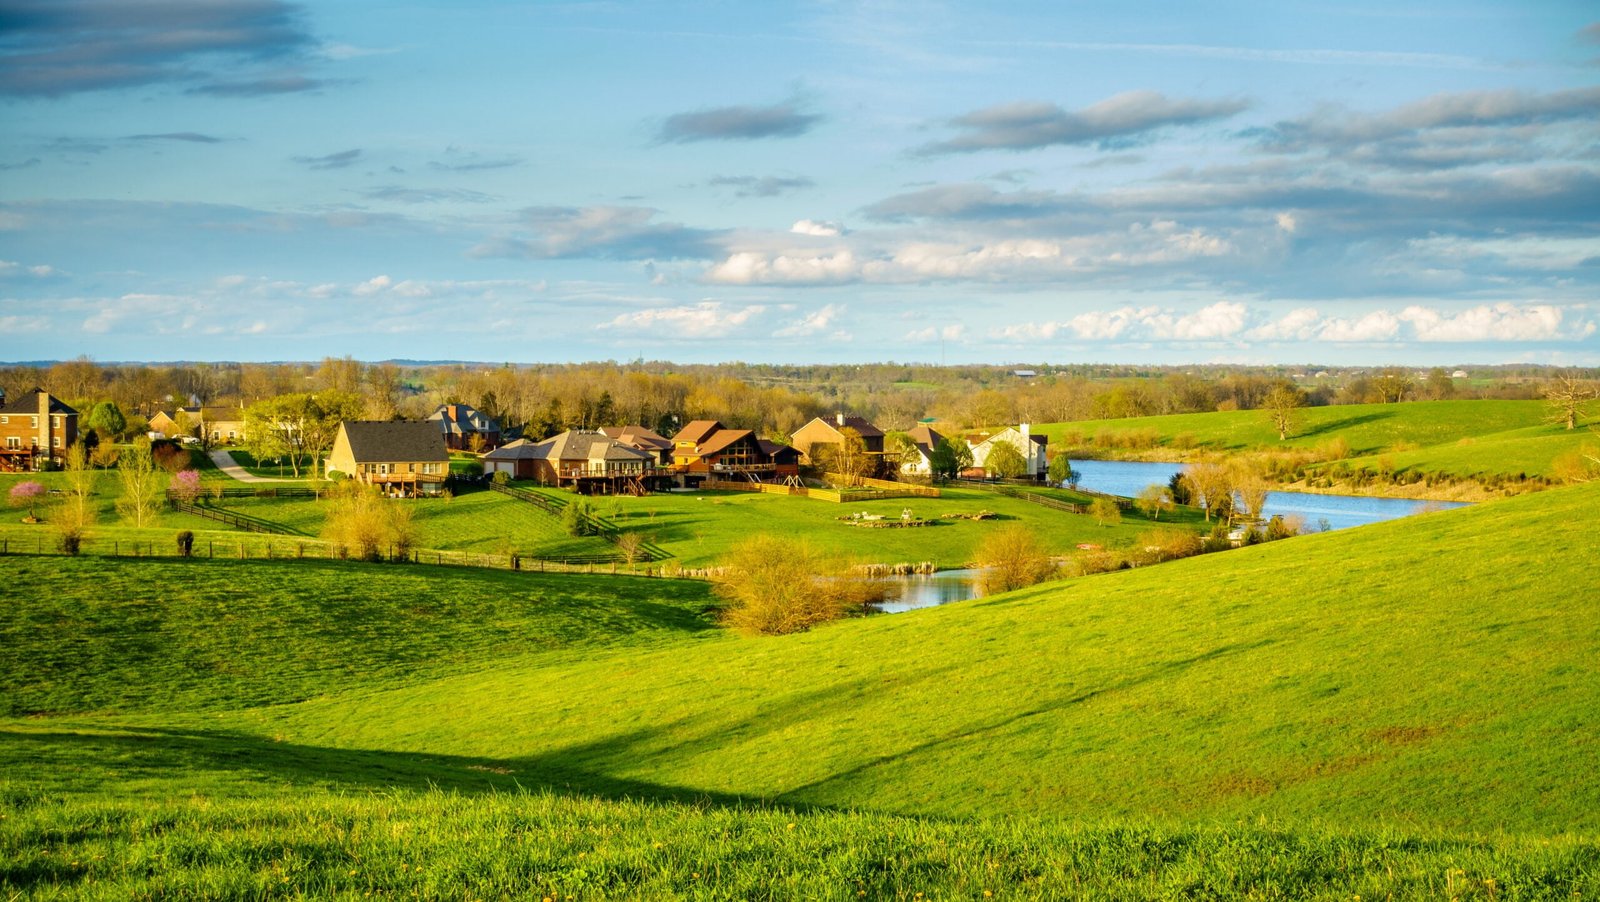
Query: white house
1030	446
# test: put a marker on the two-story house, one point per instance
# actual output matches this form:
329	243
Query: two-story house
36	428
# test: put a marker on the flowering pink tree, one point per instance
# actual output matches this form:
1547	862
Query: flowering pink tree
186	486
27	493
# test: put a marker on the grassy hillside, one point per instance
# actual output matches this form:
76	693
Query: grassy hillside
1435	672
1369	428
162	635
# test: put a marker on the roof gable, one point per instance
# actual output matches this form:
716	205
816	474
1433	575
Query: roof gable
696	432
28	402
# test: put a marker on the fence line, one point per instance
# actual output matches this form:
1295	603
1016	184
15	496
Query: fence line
898	489
648	552
231	518
259	547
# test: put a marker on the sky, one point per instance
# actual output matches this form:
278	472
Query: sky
1357	183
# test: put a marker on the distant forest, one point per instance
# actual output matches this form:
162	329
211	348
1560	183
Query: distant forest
543	399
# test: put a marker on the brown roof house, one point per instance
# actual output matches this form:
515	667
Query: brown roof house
643	439
590	463
822	433
36	429
706	449
403	457
463	424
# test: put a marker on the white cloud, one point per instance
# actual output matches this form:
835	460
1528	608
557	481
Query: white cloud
811	324
1296	325
1379	325
708	319
1287	222
1499	322
754	268
819	228
372	286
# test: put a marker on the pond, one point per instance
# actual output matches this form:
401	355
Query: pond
1127	477
1121	477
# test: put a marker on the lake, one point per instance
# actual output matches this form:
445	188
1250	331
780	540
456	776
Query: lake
1123	477
1128	477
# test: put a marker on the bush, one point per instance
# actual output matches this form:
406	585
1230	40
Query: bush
774	586
1170	544
578	519
1105	512
1012	558
500	477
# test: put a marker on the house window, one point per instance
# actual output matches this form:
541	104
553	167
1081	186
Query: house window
13	442
35	423
411	468
383	469
55	441
56	422
4	420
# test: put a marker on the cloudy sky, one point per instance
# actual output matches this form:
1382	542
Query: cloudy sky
1346	183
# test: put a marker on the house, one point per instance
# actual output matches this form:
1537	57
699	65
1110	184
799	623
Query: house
810	438
463	425
1030	446
706	449
924	440
36	428
590	463
217	425
643	439
402	457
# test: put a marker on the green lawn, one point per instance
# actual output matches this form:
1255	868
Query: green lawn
1402	708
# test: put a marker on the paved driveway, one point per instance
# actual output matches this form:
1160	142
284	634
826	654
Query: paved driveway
228	465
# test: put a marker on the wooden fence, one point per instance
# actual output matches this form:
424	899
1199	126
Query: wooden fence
890	488
264	547
234	519
648	552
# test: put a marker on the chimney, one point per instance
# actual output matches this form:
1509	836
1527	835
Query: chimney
840	418
44	422
1024	429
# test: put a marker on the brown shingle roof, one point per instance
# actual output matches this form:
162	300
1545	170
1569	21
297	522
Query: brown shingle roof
372	440
696	431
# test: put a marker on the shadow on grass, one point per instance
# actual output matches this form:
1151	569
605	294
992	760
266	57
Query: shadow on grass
1344	423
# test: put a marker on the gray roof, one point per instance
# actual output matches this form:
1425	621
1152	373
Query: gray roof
373	440
465	419
28	402
572	445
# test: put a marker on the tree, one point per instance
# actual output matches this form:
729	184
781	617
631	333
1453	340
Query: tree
1252	489
141	484
362	521
1393	384
950	458
106	420
578	519
1061	471
631	544
1211	484
1440	384
1568	396
299	425
1004	461
27	493
1105	512
185	486
1153	499
902	451
848	457
1012	558
75	514
774	586
1282	405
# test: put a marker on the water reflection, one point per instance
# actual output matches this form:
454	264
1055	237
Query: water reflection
926	590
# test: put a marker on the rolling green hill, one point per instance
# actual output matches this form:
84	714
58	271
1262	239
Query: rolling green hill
1409	684
1459	438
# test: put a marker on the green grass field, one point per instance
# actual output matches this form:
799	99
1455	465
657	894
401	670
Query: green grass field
1459	438
1402	708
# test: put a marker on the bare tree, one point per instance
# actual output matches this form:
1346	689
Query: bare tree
1282	405
778	585
141	484
1568	397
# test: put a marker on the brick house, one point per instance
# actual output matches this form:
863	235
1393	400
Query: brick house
402	457
460	423
589	463
36	428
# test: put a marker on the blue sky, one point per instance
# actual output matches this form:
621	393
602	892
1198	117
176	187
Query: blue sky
1359	183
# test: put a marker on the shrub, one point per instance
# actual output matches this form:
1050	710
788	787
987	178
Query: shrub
27	493
1105	512
578	519
363	522
500	477
185	486
170	456
1012	558
774	586
1170	544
